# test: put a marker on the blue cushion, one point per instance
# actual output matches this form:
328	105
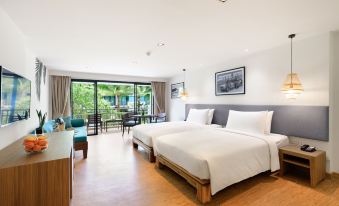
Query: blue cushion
48	126
80	134
78	122
68	123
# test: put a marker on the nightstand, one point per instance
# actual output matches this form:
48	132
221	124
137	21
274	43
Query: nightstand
315	162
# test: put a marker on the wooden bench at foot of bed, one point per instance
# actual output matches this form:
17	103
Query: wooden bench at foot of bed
202	186
148	149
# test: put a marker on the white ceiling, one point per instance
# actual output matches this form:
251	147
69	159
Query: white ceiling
111	36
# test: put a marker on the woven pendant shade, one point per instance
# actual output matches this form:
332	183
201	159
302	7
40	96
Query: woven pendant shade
183	94
292	86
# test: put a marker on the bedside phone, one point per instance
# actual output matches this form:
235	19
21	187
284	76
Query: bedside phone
307	148
304	147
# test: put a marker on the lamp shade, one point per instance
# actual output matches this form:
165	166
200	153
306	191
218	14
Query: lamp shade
292	86
183	94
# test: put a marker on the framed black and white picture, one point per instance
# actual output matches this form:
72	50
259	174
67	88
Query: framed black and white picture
176	89
230	82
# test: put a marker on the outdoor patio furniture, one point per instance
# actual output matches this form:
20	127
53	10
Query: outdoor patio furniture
113	123
143	118
93	120
129	121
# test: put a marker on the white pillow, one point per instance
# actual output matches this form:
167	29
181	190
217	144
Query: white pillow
252	122
198	116
269	122
210	116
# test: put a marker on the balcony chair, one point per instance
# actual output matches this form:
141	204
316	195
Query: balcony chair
92	120
128	121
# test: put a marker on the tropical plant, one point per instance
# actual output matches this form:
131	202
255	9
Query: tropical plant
40	70
42	118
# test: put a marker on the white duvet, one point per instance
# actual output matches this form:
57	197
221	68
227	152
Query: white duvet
223	156
147	132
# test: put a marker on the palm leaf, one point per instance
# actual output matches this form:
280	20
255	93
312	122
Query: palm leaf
44	74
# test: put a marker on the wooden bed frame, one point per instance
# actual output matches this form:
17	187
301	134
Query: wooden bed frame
148	149
202	186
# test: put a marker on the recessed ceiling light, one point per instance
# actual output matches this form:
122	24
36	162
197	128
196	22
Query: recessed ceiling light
160	44
148	53
223	1
246	50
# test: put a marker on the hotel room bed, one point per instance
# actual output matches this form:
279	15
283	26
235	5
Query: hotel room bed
144	135
212	159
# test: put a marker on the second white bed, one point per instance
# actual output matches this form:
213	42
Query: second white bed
223	156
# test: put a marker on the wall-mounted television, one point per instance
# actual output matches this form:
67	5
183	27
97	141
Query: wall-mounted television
15	97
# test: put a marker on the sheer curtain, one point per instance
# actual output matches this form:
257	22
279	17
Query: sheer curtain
60	89
159	93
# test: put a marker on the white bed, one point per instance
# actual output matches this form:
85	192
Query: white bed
147	132
223	156
144	135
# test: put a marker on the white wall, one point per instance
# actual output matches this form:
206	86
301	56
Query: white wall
265	73
334	101
15	56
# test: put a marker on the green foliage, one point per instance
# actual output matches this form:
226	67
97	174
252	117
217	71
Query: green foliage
83	98
42	118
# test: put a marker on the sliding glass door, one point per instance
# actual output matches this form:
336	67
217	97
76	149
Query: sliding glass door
83	95
144	100
108	101
115	99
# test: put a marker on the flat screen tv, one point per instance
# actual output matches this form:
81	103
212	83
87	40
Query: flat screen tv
15	97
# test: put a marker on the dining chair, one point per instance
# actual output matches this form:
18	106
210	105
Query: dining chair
129	121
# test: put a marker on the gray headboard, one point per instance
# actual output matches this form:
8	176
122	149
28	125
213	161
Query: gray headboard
310	122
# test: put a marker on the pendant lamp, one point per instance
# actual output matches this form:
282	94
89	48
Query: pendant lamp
292	86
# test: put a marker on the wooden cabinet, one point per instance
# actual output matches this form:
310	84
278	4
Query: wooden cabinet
37	179
315	162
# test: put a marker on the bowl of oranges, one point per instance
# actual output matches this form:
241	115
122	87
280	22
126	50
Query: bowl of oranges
35	144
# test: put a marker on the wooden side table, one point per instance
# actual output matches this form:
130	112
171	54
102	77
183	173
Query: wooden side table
315	162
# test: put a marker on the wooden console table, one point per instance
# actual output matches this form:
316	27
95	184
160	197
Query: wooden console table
37	179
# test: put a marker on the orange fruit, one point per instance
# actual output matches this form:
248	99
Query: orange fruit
29	144
37	148
42	142
28	149
42	137
44	147
30	139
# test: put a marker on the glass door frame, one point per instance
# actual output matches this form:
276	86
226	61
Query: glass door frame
94	98
96	82
136	95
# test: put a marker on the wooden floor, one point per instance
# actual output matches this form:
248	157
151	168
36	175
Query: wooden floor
115	174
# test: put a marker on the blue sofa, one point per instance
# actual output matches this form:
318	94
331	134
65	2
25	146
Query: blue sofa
80	136
80	132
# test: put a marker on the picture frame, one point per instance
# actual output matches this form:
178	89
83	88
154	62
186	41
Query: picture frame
230	82
176	89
